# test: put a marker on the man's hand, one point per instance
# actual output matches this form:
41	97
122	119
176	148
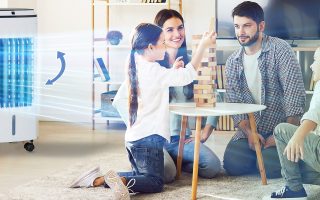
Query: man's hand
244	125
295	120
270	142
251	141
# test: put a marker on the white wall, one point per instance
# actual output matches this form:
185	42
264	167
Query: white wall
65	25
3	4
22	3
197	15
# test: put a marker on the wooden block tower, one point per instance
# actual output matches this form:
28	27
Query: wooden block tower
204	91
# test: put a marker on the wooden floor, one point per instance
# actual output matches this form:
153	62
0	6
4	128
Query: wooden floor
60	145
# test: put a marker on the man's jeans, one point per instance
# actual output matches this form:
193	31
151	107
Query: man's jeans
146	157
306	171
209	163
239	159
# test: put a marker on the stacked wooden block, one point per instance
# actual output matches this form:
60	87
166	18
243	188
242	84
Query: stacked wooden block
204	91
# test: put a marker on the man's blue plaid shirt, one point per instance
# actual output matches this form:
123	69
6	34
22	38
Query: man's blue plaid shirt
282	89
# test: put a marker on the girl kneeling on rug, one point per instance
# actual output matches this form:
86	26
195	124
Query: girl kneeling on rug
148	85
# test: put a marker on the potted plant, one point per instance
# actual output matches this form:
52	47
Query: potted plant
114	37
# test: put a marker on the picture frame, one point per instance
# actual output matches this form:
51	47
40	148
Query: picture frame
102	69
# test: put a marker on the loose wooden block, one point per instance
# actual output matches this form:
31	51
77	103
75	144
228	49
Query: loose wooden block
212	26
206	70
212	49
212	64
207	53
204	63
206	105
212	59
210	55
204	96
205	100
197	91
212	77
208	91
210	100
203	87
204	82
201	91
199	100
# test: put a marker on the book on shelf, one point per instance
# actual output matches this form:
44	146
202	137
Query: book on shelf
220	76
225	123
102	69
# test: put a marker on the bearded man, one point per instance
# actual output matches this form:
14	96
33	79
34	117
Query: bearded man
263	71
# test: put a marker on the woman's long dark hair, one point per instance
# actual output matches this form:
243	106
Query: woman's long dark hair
145	34
162	16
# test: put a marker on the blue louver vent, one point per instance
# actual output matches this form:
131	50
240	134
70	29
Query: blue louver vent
16	72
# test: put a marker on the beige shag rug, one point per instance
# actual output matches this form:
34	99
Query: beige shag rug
55	186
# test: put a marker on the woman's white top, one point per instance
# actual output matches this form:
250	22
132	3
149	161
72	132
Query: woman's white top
313	113
153	98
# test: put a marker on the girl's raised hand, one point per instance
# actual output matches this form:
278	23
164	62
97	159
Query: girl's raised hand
208	39
178	62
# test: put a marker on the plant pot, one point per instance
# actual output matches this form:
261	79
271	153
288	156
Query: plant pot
114	42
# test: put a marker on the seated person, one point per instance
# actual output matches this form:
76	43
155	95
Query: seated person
299	147
264	70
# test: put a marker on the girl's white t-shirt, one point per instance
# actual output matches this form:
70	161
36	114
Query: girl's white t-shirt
153	99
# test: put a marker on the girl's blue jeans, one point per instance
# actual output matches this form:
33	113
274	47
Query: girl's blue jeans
146	157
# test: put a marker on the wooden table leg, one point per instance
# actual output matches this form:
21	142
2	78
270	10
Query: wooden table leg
196	159
181	144
258	148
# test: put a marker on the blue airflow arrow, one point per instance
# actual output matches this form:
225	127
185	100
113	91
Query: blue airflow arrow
63	66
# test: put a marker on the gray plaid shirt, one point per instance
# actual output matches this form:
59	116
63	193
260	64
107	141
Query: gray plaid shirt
282	89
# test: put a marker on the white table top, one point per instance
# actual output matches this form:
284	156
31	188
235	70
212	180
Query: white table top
190	109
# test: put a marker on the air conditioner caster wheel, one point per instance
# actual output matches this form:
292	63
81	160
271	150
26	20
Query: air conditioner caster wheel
29	146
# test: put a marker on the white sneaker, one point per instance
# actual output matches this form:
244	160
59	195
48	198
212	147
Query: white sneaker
120	191
86	179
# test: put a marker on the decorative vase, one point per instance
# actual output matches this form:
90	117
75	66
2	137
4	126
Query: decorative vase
114	42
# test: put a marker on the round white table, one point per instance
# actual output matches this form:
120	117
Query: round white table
190	110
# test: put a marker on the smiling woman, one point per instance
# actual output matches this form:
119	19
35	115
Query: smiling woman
172	24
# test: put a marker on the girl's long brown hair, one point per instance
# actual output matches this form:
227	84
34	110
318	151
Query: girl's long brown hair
145	34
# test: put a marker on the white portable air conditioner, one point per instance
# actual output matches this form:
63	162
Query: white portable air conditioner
18	95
